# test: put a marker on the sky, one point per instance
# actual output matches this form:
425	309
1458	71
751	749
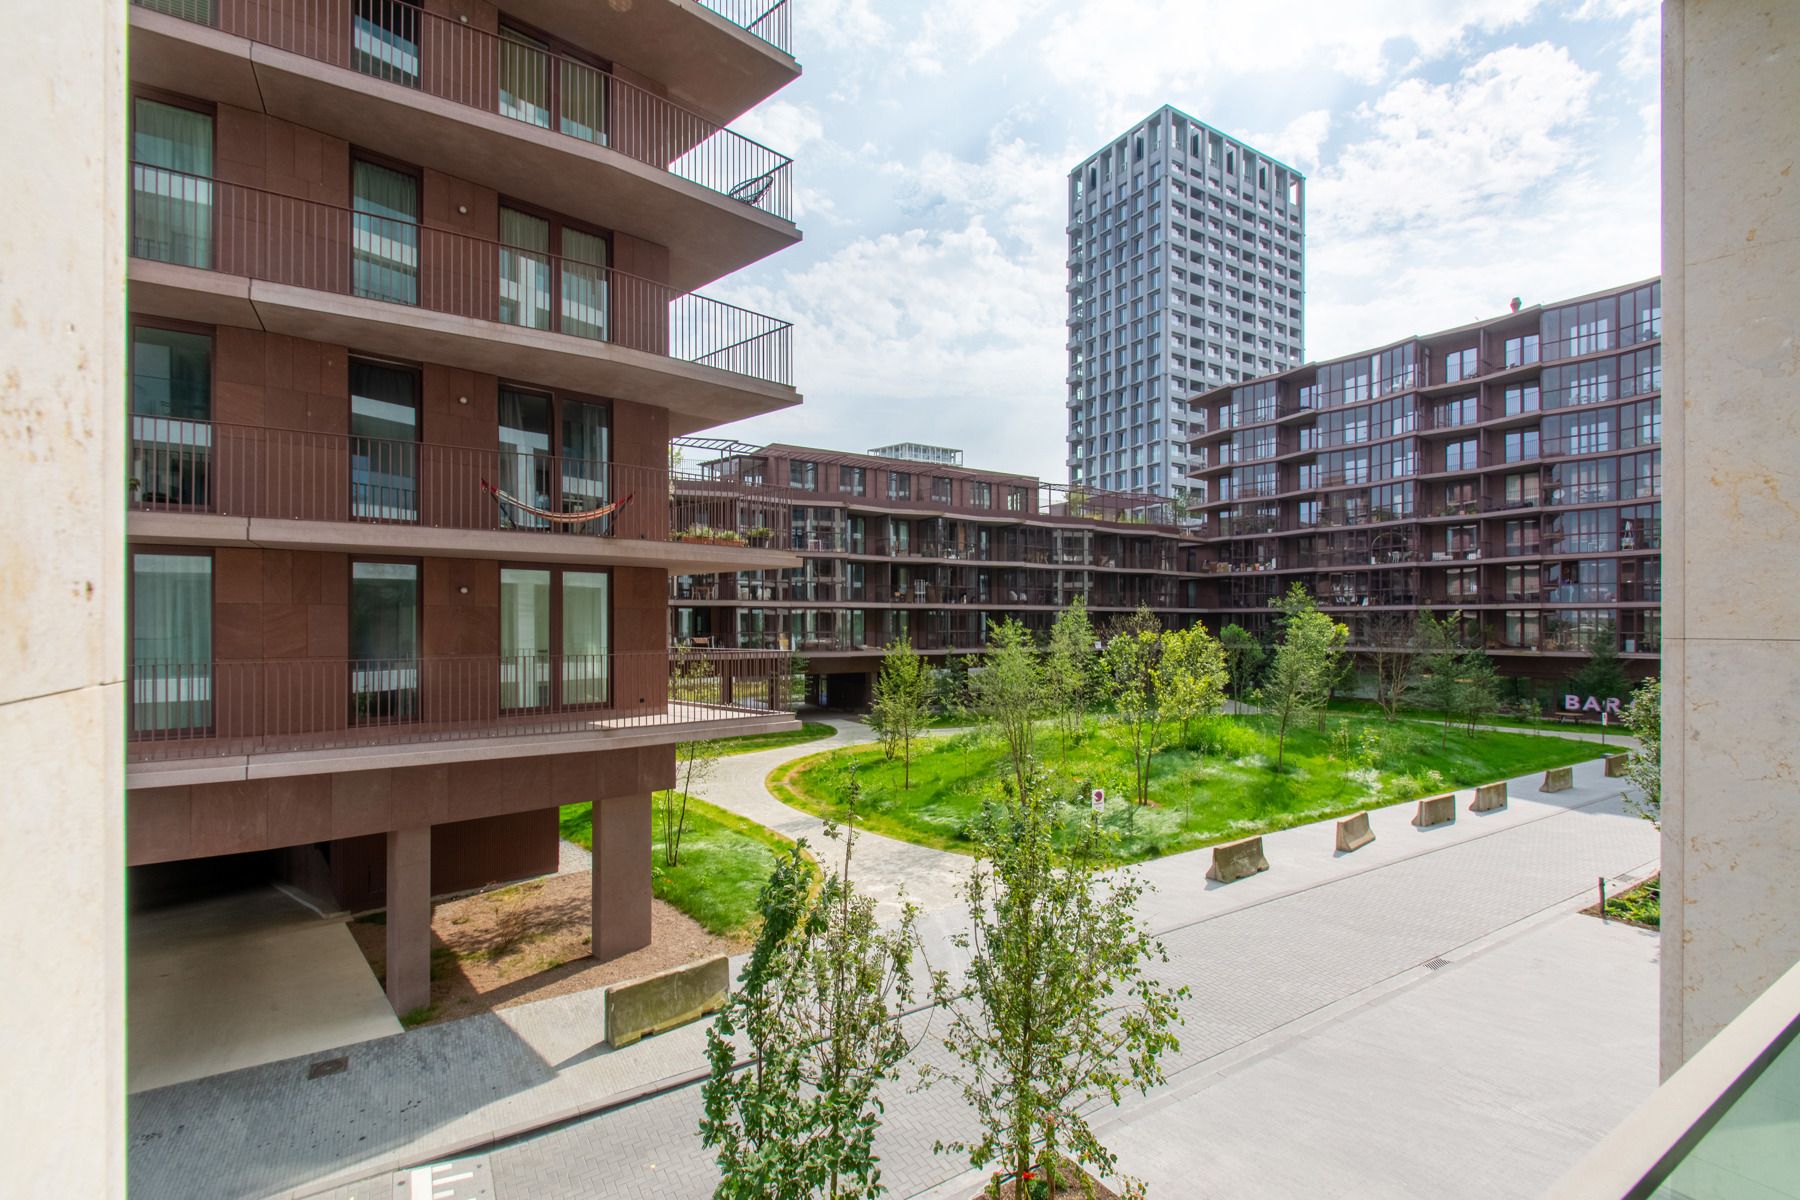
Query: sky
1458	153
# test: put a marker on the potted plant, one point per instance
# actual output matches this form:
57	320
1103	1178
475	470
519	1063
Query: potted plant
759	535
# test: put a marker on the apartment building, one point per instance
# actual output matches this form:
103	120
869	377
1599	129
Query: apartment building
1187	261
910	545
1510	469
413	316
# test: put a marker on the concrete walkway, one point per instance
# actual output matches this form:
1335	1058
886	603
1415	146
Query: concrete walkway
1264	956
237	980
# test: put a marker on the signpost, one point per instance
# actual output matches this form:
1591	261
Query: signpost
1099	801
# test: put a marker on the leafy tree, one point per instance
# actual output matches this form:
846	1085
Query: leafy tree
1191	677
1069	670
1305	664
1056	1010
1007	693
1440	662
1643	765
819	1006
903	692
1392	657
1601	675
694	763
1243	654
1129	666
1477	688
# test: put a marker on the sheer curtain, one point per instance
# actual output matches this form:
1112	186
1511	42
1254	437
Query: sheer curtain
524	638
171	181
586	637
386	236
171	641
524	78
584	284
524	269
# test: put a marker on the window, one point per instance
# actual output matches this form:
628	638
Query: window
899	485
981	495
171	642
1460	364
551	90
1461	583
171	404
803	476
384	641
1521	398
384	436
171	184
385	233
1015	499
552	275
555	637
1460	456
1520	491
384	40
1521	351
1520	445
943	489
1522	583
853	480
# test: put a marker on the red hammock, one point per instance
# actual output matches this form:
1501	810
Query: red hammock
570	518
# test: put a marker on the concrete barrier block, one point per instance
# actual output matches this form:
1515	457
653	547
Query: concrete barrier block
1353	833
1615	765
660	1002
1489	797
1237	860
1437	810
1558	779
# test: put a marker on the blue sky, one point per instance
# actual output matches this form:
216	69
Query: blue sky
1458	153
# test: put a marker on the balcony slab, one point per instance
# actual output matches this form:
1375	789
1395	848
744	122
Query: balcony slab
707	235
603	735
522	545
696	397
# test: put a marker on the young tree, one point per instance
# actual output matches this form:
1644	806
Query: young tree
694	763
819	1006
1069	670
1056	1010
1128	664
1305	664
1601	675
1007	693
1243	655
1440	663
1191	677
903	692
1477	688
1392	657
1643	765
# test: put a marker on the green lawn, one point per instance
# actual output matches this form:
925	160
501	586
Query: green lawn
749	743
1197	798
725	860
1354	706
1641	905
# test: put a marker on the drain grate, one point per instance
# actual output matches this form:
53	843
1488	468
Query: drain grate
328	1066
1434	964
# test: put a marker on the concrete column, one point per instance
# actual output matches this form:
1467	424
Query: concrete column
62	653
621	875
1731	506
409	918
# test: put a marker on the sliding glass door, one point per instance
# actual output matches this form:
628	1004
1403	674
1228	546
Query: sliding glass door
171	414
384	442
384	642
171	642
553	275
171	184
385	236
551	616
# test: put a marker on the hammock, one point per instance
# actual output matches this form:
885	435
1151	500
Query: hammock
569	518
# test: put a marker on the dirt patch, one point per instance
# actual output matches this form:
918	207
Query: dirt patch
1638	905
1071	1176
530	941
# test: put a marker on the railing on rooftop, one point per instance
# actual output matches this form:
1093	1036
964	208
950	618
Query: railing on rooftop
402	44
188	466
772	22
195	221
189	710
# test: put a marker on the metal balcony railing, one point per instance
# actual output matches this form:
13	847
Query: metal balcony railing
254	471
402	44
211	709
194	221
773	23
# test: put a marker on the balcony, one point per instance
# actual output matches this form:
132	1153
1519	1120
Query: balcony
209	483
219	253
390	77
220	721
